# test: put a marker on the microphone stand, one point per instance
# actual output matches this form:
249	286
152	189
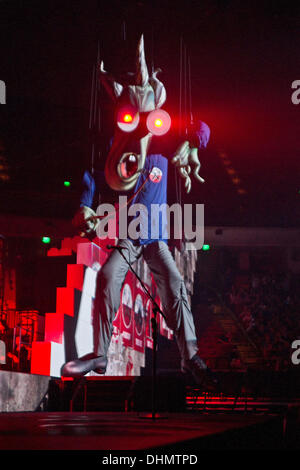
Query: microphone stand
155	309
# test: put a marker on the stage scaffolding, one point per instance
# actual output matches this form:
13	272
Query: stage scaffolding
20	335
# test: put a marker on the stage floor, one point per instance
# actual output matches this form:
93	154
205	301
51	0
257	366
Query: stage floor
131	431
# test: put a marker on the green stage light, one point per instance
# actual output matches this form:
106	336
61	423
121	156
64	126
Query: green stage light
206	247
46	240
67	184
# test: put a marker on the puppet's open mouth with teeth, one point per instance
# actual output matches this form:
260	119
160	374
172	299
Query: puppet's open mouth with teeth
123	167
128	165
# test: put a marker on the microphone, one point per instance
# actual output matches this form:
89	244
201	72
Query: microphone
116	247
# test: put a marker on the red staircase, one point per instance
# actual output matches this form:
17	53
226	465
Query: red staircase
68	330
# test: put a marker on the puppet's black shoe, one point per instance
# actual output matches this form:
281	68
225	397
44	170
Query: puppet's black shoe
83	365
202	375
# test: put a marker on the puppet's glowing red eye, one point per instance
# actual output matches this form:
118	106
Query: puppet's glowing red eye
158	122
128	119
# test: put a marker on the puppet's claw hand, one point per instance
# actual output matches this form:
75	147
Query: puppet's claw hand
85	221
187	161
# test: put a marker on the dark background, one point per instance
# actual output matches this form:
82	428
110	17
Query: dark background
244	57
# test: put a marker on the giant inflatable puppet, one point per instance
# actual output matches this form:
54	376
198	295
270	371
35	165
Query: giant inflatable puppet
140	161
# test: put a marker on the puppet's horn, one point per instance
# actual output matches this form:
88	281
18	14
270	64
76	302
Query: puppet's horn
159	89
142	76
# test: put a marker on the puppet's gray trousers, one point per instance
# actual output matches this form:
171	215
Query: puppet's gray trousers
171	290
